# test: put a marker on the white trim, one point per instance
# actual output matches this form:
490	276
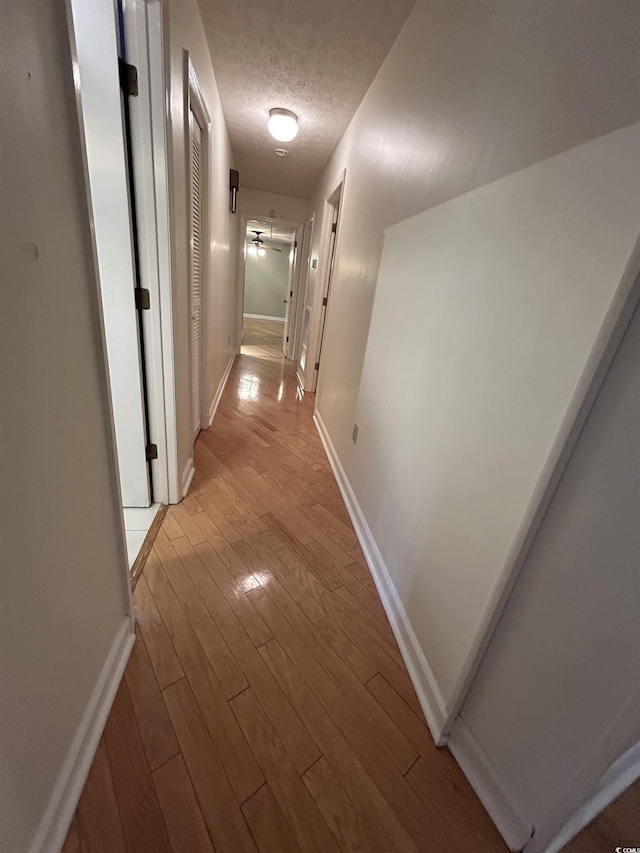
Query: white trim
424	682
187	475
317	323
503	811
194	102
195	95
303	283
264	317
216	399
608	766
144	39
57	818
594	371
158	90
620	775
291	331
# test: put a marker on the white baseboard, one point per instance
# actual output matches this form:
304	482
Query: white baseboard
511	823
57	818
263	317
187	475
620	775
218	394
424	682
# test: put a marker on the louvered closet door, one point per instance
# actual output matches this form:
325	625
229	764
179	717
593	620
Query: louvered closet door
196	225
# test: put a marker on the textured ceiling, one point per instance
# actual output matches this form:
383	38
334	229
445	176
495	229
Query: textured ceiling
315	57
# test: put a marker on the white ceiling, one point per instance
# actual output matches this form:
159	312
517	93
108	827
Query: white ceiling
315	57
272	231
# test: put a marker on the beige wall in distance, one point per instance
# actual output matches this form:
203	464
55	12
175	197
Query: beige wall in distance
63	574
266	281
184	31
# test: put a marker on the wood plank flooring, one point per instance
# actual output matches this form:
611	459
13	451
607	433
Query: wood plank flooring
617	826
266	706
262	338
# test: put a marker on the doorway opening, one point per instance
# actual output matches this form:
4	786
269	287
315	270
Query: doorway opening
271	272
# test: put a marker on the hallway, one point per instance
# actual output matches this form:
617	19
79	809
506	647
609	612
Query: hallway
265	704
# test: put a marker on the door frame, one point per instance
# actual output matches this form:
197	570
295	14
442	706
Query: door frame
145	31
103	112
292	291
308	240
144	35
328	253
298	227
194	102
303	285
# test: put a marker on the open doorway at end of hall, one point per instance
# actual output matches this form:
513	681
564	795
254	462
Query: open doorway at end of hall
270	271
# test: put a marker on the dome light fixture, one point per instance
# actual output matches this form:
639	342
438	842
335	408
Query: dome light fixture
282	124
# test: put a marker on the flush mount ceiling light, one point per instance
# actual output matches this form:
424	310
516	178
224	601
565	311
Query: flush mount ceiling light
282	124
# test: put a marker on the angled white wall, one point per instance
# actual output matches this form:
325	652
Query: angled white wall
499	296
496	161
564	661
64	603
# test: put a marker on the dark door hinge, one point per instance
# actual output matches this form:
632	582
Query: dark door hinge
295	244
287	340
324	301
143	299
317	365
291	293
334	227
128	78
152	452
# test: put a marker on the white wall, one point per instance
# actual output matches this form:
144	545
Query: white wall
266	281
183	28
506	288
472	92
565	658
63	572
258	204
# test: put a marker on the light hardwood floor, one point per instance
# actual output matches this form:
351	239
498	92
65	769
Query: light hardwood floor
617	826
265	705
262	338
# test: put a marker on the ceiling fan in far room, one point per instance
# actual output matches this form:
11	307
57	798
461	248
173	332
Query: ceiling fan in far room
259	243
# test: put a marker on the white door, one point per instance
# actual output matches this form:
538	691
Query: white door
327	289
304	323
96	43
304	345
195	134
288	330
